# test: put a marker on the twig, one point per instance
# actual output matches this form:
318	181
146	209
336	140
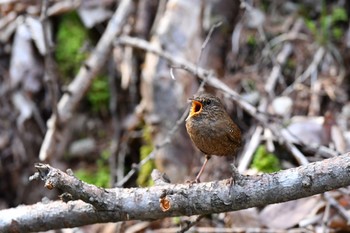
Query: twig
136	168
216	83
138	227
207	39
50	75
271	83
325	218
249	8
190	224
235	230
79	86
343	212
113	107
315	99
122	151
235	38
160	11
315	148
204	45
290	35
151	155
277	68
272	80
179	62
311	68
253	143
63	6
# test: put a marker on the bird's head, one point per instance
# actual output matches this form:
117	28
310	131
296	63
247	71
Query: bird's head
203	104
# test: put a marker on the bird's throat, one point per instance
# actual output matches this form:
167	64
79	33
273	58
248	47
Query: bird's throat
196	108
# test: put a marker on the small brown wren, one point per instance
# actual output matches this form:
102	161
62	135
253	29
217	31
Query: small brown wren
211	129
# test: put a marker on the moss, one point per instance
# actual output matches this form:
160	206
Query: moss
265	161
100	177
251	41
176	220
327	27
71	37
143	178
98	95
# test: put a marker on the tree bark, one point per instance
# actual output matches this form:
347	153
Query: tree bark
121	204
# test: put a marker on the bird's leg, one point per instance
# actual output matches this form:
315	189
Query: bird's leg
235	176
207	157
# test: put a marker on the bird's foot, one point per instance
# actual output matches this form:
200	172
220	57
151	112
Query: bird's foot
230	181
234	179
236	176
196	181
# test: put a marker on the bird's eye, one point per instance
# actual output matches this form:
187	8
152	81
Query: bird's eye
208	102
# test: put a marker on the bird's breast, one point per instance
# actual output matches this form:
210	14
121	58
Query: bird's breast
211	138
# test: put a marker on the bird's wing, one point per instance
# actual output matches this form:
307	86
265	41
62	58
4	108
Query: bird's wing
234	134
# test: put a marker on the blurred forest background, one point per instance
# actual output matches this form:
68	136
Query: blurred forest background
115	118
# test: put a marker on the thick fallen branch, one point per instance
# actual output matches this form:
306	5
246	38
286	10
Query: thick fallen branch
121	204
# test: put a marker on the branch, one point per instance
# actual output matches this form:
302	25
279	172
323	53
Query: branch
213	81
122	204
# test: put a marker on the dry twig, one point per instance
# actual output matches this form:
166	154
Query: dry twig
214	82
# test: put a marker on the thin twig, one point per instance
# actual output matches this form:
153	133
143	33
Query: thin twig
235	230
249	8
312	67
207	39
293	34
50	75
151	155
113	107
204	45
342	211
190	224
277	68
325	218
253	143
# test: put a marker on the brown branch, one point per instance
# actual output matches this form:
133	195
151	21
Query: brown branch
213	81
121	204
190	67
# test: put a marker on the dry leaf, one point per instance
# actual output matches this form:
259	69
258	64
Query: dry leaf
288	214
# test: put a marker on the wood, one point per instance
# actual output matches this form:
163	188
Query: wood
113	205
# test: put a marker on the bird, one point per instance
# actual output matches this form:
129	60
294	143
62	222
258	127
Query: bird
211	129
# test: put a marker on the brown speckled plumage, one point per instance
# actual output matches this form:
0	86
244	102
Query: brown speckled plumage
210	127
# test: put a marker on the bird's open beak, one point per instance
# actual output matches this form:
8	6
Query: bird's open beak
196	108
